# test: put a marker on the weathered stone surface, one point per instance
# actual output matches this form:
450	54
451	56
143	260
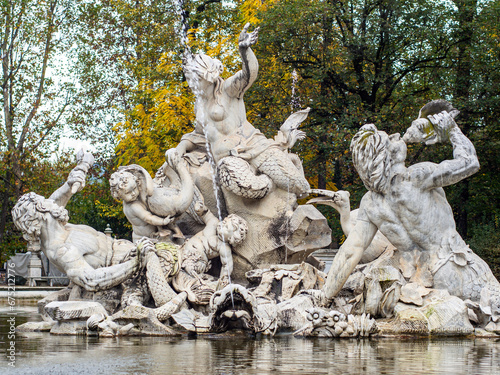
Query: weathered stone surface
43	326
413	293
292	312
143	319
74	310
60	295
71	327
408	321
283	281
448	317
441	314
309	231
268	230
192	321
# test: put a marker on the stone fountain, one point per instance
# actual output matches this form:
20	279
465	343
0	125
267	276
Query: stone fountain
220	243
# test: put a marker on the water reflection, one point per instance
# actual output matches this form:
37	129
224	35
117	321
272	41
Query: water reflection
42	353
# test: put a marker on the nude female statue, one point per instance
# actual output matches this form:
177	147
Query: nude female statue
240	150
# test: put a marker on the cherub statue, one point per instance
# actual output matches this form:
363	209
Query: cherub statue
151	207
215	240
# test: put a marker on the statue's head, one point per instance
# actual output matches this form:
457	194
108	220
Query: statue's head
124	186
205	67
29	213
233	229
374	153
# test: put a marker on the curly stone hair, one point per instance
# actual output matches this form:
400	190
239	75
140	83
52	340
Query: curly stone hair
118	180
28	214
371	158
232	229
209	69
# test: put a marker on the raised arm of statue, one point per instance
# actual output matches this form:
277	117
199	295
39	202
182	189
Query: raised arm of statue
348	256
75	181
239	83
464	162
62	195
174	155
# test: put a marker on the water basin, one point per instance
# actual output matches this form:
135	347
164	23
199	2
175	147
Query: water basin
43	353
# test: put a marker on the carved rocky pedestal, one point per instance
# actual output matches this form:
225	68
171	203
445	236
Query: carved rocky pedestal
34	267
278	231
439	315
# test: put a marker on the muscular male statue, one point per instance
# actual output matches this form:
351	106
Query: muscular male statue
409	206
91	259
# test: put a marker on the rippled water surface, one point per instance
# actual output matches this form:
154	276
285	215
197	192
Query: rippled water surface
42	353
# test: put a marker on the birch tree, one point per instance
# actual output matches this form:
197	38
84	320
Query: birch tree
33	104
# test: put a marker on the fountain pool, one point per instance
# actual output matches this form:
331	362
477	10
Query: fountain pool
43	353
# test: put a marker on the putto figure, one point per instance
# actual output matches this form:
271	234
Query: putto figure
409	206
148	206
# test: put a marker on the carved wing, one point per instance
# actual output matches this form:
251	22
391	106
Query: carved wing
289	129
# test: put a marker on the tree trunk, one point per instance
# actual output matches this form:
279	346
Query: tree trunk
5	206
466	16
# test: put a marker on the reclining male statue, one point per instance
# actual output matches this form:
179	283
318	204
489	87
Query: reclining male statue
409	207
91	259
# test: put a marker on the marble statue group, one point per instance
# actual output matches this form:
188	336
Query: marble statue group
220	243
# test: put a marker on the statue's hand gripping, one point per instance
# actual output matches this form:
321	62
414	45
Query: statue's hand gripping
443	124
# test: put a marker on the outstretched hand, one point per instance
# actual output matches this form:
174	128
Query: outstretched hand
167	220
248	39
143	247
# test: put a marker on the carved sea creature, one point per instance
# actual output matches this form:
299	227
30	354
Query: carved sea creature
161	263
143	319
422	130
234	307
234	176
340	201
323	323
254	179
